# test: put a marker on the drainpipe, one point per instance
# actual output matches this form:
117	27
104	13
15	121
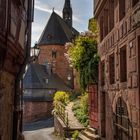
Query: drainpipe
17	114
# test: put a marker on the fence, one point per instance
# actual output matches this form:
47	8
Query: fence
61	112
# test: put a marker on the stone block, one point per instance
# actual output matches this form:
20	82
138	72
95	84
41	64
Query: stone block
129	82
132	65
134	81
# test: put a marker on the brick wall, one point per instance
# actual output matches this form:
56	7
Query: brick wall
37	110
60	64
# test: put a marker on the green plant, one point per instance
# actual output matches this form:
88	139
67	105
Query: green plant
74	95
75	134
61	96
84	58
80	109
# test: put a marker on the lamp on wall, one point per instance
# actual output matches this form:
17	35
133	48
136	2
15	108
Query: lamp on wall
69	77
70	80
35	52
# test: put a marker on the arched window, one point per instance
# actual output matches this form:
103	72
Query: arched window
122	125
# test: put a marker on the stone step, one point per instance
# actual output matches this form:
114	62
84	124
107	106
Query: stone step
91	136
92	130
82	137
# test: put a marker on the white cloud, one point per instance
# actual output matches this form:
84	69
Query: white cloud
37	28
47	8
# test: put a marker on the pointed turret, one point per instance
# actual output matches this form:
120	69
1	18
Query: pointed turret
67	13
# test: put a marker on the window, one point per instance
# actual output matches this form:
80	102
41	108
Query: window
2	14
123	64
111	15
101	29
2	57
102	73
122	125
106	19
112	68
54	53
134	2
121	9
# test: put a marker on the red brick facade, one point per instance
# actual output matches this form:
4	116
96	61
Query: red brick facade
58	60
119	97
37	110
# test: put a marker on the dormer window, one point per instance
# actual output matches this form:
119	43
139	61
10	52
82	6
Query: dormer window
49	36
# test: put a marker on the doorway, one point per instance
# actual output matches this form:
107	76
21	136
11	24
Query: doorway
122	125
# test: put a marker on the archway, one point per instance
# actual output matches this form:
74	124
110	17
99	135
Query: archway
122	125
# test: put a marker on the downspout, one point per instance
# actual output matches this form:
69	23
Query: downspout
18	94
138	41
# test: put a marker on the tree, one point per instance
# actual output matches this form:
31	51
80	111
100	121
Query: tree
84	58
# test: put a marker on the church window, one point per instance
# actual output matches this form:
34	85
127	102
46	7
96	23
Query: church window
112	68
54	53
123	64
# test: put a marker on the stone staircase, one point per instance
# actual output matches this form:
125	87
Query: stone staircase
88	134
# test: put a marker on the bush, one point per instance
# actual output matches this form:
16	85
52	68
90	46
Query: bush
61	96
75	134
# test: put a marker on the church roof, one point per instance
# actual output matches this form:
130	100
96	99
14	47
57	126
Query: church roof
57	32
36	75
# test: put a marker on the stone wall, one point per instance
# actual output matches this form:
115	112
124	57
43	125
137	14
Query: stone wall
37	110
59	126
124	34
7	83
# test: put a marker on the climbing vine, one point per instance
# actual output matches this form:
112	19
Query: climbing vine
84	58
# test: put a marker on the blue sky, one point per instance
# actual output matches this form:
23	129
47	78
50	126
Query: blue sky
82	12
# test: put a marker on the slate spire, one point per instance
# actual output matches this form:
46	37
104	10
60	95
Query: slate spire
67	13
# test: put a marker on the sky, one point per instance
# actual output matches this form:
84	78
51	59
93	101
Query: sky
82	12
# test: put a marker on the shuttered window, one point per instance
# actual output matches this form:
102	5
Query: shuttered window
102	73
112	68
2	57
123	64
121	9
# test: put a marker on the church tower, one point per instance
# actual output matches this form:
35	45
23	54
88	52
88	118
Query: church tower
67	13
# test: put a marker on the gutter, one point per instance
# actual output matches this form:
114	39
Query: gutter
18	96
